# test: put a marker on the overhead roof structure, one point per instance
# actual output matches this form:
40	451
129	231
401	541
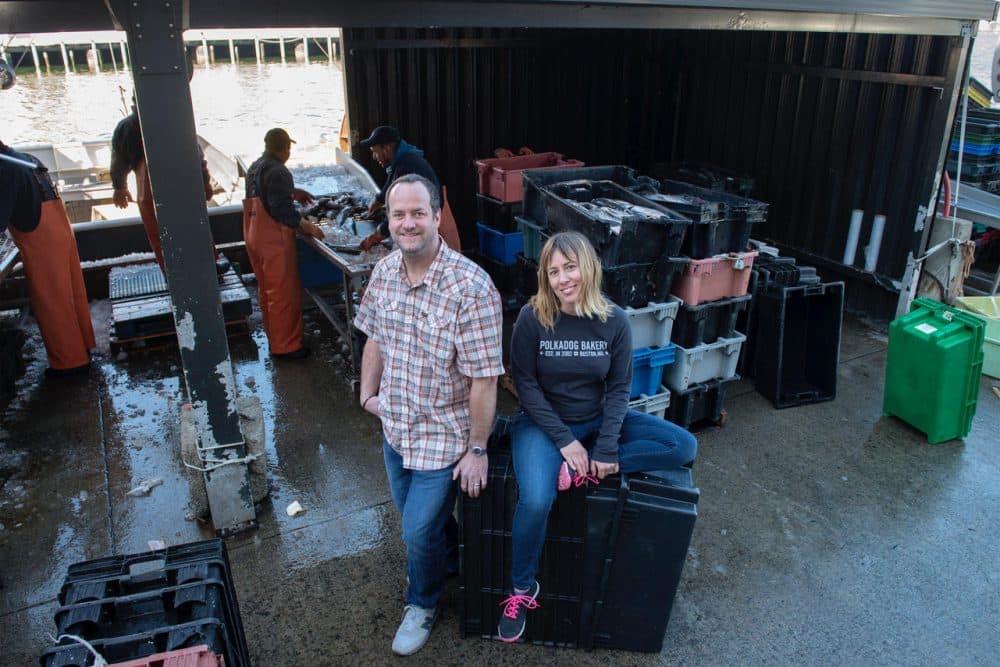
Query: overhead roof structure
897	16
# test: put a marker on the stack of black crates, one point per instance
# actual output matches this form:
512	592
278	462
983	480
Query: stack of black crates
134	606
714	293
793	329
610	566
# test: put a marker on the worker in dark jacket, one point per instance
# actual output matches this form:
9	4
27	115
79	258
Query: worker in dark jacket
33	213
270	222
128	154
400	158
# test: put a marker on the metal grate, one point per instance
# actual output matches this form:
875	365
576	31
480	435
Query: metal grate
136	280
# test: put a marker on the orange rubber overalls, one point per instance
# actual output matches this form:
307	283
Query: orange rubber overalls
147	210
271	248
55	287
448	229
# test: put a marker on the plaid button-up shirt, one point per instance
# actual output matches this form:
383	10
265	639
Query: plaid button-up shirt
435	337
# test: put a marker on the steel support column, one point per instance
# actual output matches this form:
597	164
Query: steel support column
159	66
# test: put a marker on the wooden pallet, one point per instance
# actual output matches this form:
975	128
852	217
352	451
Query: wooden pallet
166	340
152	315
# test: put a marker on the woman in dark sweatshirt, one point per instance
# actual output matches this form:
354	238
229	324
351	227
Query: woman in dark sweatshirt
571	353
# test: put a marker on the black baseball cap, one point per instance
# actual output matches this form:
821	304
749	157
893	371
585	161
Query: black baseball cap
383	134
276	139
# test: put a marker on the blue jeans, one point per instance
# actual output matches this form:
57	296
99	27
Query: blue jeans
647	443
425	499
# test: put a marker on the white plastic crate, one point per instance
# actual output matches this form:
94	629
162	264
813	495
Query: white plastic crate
655	405
652	325
709	361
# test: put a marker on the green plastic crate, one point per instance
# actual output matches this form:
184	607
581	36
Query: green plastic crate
987	308
932	371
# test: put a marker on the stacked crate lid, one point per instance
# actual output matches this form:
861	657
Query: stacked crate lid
135	606
980	149
793	330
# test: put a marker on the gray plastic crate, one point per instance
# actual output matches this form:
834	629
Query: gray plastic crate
652	325
709	361
655	405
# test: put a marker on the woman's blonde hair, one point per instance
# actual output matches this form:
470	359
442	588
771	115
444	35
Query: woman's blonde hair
592	303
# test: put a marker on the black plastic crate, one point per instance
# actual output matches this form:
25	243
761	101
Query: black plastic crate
211	633
798	343
637	541
699	403
637	285
144	612
527	275
497	214
737	208
537	179
776	271
504	275
746	324
707	322
485	529
129	574
630	237
711	177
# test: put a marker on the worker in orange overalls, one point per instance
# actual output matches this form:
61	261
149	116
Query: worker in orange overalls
128	154
399	158
270	222
36	219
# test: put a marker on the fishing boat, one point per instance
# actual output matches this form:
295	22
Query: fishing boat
82	172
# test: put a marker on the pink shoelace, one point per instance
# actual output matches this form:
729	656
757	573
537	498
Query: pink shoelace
564	480
515	601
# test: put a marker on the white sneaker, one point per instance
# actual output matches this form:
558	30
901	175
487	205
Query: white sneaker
415	629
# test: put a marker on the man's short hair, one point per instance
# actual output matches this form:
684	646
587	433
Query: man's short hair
277	139
432	191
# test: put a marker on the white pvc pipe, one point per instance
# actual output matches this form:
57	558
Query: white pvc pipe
853	234
874	243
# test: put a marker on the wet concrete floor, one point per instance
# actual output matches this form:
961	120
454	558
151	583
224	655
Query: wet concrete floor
827	534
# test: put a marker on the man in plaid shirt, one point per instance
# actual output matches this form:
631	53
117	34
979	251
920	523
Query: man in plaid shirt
429	372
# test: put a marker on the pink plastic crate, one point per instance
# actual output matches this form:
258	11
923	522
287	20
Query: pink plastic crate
196	656
718	277
500	177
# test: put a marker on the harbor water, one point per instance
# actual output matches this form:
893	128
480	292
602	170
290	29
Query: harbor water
234	105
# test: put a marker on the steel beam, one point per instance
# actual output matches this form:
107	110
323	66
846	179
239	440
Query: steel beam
922	18
159	67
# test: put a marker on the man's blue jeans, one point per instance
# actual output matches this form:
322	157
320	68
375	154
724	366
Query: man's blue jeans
647	443
425	499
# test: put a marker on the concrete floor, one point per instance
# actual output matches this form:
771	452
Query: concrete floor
826	534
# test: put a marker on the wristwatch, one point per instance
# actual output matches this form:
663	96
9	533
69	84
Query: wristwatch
477	450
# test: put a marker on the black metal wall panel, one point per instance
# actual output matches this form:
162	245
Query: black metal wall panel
825	123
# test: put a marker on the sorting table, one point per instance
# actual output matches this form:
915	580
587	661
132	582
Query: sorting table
337	302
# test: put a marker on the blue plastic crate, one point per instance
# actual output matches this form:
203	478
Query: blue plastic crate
314	270
647	368
973	149
498	245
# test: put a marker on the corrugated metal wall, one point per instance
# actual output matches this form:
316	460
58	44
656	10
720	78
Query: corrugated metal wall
825	123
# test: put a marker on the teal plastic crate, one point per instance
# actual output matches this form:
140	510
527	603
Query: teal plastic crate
534	235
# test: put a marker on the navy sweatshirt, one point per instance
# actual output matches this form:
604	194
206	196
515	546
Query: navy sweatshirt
580	370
